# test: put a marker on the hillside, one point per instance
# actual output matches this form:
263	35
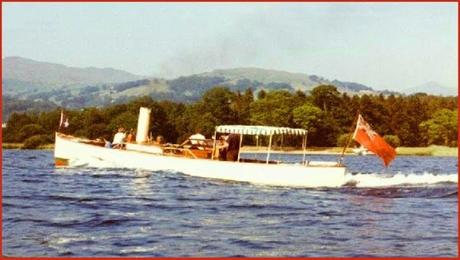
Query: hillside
70	87
433	88
297	81
23	74
10	105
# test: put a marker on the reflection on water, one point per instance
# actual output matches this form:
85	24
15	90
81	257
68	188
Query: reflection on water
367	225
140	184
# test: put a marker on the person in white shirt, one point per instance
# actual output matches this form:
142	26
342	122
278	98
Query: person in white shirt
196	139
119	138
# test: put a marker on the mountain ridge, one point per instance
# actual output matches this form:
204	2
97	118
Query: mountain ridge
54	74
101	88
432	87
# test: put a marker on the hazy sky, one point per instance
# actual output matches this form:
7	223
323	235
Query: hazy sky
383	45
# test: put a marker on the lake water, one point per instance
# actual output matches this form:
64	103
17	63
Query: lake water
113	212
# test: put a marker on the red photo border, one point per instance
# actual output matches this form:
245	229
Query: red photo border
209	1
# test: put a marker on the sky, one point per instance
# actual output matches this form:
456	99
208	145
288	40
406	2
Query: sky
383	45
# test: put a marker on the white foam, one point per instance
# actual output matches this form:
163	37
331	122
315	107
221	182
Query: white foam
380	180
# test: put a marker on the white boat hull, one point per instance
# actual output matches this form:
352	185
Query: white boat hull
71	153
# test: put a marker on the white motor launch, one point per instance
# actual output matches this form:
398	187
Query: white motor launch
143	125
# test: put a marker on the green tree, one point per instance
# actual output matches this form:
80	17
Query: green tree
413	114
327	131
392	140
159	123
261	94
415	119
97	131
340	113
300	98
343	139
273	110
134	105
241	106
442	128
218	102
126	120
173	112
308	116
35	141
29	130
322	127
49	121
216	107
373	110
326	97
14	125
192	120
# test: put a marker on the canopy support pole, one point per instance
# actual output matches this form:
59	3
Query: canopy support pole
257	146
282	141
269	148
239	150
304	148
281	147
214	145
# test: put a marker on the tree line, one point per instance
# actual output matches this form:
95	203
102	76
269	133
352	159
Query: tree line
415	120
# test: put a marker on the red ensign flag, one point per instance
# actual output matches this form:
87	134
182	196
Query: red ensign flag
373	142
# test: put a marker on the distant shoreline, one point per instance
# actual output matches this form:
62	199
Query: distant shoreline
433	150
290	150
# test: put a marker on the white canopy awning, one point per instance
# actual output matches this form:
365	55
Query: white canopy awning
259	130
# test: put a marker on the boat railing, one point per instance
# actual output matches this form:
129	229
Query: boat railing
246	160
177	150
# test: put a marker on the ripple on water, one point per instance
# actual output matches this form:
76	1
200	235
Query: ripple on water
121	212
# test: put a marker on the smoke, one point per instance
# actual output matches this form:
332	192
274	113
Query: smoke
223	52
260	39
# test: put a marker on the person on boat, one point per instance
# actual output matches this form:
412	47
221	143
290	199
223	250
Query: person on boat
131	138
221	148
233	147
107	143
228	150
196	139
159	140
119	139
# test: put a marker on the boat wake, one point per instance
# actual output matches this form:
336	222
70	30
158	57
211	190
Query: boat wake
373	180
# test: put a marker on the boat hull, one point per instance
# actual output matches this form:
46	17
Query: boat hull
68	152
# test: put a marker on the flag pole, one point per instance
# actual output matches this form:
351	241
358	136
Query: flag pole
61	121
349	137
